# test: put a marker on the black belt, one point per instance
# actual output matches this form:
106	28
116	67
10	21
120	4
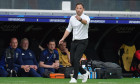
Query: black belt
80	40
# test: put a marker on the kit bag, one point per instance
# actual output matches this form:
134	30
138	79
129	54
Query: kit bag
112	73
57	75
110	70
105	70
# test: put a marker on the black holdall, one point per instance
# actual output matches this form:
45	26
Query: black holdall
112	70
66	71
113	73
106	70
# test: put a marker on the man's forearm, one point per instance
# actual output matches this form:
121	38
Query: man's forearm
83	21
65	35
46	66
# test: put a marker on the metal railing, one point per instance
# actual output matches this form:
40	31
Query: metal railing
90	5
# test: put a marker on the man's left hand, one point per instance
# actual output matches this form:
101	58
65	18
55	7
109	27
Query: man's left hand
34	67
56	65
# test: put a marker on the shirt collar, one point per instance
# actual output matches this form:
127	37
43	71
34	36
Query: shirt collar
12	48
82	14
49	51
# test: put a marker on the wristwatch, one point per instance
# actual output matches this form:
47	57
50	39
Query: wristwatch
80	20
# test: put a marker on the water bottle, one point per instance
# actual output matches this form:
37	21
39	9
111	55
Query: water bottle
90	70
94	74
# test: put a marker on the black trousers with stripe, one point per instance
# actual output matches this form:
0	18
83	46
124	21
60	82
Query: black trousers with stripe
76	52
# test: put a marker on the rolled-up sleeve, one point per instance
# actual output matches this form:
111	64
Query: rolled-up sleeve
88	19
42	57
69	29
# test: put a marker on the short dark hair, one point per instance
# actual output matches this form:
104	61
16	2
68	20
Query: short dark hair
80	4
13	38
51	40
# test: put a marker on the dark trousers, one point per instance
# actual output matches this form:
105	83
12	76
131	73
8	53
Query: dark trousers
76	52
31	73
3	73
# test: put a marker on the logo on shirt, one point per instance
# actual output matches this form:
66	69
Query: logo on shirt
16	55
48	57
30	54
22	54
54	56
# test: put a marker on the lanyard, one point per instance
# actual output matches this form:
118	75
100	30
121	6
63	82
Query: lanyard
51	57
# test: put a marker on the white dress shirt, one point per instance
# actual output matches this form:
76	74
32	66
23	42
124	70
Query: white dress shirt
80	31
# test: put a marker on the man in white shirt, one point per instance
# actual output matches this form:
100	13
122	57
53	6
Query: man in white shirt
79	23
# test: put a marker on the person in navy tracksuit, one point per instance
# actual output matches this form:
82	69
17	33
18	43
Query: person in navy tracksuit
28	58
11	59
49	58
3	71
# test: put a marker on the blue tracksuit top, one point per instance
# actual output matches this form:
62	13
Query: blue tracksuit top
49	58
28	57
17	61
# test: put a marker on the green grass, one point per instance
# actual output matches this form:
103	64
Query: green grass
35	80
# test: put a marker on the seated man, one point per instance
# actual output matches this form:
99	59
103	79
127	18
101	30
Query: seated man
64	55
29	59
49	58
11	60
135	66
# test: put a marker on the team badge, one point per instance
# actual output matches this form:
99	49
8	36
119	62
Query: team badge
22	54
16	55
54	55
47	57
30	54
